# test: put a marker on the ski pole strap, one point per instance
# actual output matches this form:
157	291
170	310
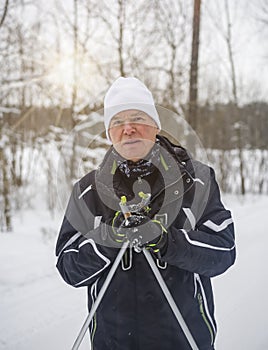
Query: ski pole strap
156	246
118	237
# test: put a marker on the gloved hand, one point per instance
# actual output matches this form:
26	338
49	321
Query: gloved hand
144	232
115	224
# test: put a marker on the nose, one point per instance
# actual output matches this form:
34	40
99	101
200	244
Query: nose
129	128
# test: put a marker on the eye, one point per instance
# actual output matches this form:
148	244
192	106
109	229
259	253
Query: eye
137	119
116	122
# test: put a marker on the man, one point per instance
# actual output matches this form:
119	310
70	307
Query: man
182	223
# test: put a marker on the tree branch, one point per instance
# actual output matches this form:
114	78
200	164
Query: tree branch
4	13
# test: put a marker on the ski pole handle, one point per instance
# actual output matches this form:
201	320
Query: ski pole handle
134	243
124	207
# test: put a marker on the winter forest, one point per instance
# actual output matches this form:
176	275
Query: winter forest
204	61
58	59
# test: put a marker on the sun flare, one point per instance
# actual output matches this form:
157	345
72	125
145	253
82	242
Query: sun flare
62	73
67	71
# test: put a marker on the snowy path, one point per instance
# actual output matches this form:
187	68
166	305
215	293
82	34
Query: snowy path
241	293
39	311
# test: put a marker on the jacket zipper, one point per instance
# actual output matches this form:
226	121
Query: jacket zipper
203	314
94	331
93	324
203	307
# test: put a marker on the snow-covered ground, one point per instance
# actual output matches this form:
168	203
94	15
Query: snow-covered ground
39	311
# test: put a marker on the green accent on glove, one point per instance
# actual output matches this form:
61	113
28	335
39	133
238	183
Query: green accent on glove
118	237
155	247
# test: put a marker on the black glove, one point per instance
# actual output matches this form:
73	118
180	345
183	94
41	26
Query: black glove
114	225
144	232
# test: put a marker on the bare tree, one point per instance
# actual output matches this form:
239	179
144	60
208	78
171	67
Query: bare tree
171	27
238	126
224	27
229	43
4	13
193	89
5	183
261	12
111	21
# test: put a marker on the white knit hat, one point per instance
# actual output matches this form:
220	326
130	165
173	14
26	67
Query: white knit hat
128	93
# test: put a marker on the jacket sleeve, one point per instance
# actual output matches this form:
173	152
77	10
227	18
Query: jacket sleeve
81	256
208	247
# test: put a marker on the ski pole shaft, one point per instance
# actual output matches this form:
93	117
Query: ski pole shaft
170	300
100	296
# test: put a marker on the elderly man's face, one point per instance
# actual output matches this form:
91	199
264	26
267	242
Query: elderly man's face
133	133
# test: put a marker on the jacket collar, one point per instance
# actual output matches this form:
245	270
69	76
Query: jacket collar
171	166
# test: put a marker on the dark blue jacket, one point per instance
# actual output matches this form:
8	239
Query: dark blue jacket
134	314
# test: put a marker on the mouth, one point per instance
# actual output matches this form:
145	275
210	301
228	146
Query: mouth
131	142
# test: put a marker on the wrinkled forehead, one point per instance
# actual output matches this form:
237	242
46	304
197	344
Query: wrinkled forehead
132	115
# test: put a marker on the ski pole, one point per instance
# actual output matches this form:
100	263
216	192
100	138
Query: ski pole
170	300
135	244
106	283
100	296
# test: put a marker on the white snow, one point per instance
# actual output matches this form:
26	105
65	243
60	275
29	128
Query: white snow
39	311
